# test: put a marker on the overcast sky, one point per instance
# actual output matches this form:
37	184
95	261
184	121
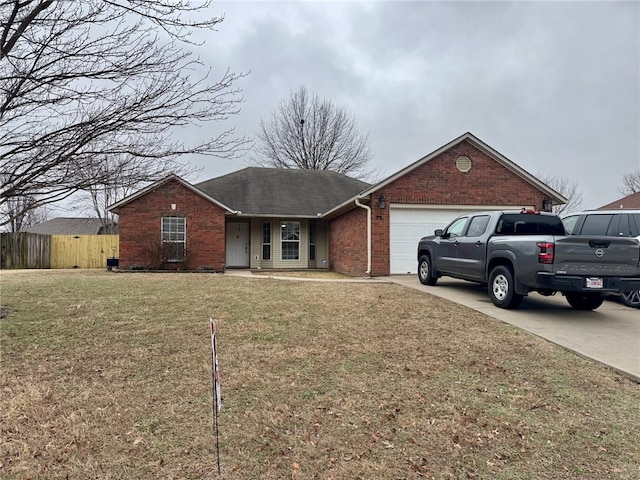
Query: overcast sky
553	86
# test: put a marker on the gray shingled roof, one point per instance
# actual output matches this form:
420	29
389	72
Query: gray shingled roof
277	191
67	226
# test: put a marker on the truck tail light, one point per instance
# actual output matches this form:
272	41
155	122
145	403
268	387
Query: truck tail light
546	252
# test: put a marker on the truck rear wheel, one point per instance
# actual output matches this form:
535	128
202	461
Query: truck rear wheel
631	299
584	301
425	271
502	288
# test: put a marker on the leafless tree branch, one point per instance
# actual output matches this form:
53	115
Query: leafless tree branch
84	85
306	132
630	183
568	189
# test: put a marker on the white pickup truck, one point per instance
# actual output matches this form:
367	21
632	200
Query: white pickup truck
516	252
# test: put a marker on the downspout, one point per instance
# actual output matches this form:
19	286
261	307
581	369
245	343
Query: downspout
368	209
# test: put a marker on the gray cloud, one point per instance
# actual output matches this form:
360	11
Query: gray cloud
553	86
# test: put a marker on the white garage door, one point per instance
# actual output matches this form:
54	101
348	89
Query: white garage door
407	227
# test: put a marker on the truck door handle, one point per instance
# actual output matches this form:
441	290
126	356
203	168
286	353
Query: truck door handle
599	243
478	243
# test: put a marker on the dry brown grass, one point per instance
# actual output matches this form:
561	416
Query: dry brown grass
312	274
107	376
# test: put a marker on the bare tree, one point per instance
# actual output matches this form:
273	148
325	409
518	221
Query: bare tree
305	132
568	189
127	172
81	81
630	183
22	213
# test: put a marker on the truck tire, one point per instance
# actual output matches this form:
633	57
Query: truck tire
501	288
631	299
584	301
425	271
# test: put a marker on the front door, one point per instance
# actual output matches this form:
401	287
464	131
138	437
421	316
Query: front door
237	244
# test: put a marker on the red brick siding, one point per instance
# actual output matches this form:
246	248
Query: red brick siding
436	182
348	243
439	182
140	227
380	247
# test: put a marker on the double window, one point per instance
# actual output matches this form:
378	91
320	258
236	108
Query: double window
174	238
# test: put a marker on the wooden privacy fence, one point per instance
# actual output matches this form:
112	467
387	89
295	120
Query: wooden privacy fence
32	250
25	250
83	251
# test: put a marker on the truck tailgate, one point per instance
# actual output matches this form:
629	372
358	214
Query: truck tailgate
603	256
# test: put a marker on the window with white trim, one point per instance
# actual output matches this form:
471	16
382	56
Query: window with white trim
290	240
174	238
313	227
266	241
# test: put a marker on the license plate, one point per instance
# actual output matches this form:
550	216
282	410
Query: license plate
594	283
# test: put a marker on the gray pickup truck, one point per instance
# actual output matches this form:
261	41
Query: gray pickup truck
517	252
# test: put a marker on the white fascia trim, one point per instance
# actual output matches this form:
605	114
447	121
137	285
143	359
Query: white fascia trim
478	208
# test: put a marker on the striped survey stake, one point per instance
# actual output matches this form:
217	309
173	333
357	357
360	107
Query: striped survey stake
217	398
214	367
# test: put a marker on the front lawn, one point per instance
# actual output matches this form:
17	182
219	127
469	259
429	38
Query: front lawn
108	376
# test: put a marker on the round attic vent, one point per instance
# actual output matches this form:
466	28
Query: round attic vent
463	163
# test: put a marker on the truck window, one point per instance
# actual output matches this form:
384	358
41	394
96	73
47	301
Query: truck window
628	226
570	223
596	224
634	224
529	224
478	225
456	228
619	227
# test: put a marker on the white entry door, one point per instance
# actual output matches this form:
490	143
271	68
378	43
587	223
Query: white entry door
237	244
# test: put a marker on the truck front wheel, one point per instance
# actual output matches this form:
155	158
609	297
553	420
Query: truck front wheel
501	288
584	301
425	271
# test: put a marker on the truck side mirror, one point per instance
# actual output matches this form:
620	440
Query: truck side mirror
438	232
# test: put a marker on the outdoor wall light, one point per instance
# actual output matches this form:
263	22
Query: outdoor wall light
382	202
547	204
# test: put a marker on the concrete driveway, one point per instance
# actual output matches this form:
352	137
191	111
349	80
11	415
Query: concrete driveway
609	334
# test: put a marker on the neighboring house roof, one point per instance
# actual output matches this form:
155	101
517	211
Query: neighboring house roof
630	201
556	197
68	226
285	192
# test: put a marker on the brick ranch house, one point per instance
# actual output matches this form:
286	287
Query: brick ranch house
267	218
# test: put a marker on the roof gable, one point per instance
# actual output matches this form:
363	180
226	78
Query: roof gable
480	145
172	177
